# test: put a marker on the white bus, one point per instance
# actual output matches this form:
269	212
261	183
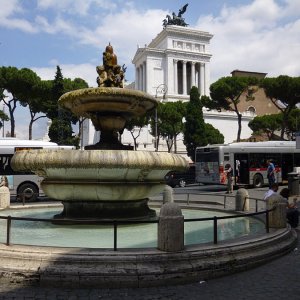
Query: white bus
250	157
22	183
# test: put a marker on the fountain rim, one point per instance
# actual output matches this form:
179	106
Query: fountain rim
83	267
26	159
123	94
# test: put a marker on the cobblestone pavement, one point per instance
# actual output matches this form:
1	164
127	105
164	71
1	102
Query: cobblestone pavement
278	279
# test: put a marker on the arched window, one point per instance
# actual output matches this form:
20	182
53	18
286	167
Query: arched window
251	110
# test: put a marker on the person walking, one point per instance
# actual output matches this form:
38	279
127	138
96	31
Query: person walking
229	173
4	181
271	173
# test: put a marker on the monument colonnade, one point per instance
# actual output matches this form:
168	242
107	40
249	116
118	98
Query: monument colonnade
182	75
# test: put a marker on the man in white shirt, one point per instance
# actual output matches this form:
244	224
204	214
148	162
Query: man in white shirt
273	190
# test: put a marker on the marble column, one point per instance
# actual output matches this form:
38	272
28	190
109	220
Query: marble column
193	74
184	77
202	79
144	77
175	76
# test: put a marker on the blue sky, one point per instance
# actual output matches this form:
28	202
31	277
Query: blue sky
253	35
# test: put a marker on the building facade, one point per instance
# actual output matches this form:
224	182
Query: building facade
179	58
174	61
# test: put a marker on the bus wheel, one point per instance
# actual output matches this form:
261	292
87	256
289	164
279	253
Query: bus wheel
29	191
258	181
182	183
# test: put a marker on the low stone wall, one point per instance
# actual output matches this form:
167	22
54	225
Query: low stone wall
77	267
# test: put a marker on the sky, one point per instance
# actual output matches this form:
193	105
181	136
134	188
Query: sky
250	35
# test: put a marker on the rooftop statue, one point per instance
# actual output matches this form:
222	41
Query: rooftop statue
110	73
176	19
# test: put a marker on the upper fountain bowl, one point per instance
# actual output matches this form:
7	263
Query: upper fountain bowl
108	107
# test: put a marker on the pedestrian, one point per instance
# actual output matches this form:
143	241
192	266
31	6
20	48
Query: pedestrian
237	170
271	173
229	173
4	181
292	213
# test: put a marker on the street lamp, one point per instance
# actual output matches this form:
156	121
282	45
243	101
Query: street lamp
162	89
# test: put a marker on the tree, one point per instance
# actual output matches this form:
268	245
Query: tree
226	94
284	92
3	117
171	124
213	135
135	125
32	96
194	129
61	132
196	132
63	117
266	124
11	88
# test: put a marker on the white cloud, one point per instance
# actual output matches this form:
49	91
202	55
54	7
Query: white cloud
10	8
78	7
84	71
254	37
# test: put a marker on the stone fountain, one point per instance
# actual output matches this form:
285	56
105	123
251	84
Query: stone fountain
107	180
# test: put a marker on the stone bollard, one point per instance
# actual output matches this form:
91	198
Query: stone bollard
168	194
4	197
170	228
242	200
277	217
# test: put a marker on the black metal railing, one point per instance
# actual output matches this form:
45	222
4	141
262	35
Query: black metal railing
116	223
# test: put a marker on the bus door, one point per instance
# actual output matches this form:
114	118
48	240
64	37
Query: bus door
287	165
241	166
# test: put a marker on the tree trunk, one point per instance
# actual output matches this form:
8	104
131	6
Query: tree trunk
175	143
12	126
30	129
239	127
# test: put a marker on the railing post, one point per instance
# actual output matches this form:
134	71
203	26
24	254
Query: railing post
188	199
115	235
215	230
267	222
8	229
256	205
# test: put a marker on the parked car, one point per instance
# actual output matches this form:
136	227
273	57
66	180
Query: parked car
181	179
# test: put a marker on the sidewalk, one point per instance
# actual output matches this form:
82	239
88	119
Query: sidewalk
278	279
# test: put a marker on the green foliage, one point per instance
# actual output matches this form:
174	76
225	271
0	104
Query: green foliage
284	92
137	123
213	135
226	94
266	124
196	132
21	86
27	89
60	116
60	132
171	124
3	117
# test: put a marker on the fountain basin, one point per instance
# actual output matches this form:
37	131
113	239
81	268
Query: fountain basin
108	107
100	183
